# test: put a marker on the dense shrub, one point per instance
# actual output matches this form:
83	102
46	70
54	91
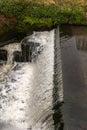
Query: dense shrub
30	15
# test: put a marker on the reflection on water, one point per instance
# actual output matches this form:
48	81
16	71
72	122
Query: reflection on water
74	64
81	42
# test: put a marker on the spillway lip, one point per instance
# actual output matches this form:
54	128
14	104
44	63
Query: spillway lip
36	37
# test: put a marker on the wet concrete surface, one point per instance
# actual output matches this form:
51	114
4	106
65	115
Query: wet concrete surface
74	65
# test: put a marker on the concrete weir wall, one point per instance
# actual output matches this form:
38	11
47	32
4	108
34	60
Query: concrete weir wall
58	80
58	83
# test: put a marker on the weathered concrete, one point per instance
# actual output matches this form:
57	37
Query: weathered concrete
58	83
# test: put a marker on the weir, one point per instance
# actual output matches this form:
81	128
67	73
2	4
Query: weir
58	83
32	92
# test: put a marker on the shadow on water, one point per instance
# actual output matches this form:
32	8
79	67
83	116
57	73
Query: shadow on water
74	65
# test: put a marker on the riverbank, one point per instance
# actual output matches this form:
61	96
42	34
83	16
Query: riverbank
20	17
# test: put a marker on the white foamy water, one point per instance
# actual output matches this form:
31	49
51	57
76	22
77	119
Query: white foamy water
11	48
26	96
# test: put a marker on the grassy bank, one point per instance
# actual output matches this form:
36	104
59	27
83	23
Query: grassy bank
23	16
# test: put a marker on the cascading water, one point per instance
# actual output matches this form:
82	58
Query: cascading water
6	68
26	96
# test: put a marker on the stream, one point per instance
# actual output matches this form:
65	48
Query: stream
43	81
27	84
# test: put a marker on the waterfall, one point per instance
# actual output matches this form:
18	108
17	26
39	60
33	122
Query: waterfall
11	48
10	58
26	97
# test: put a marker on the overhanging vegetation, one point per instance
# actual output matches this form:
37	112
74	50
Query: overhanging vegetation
24	15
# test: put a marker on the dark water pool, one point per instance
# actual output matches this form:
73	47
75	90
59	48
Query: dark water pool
74	65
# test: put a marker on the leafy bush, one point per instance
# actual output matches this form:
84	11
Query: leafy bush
30	15
11	8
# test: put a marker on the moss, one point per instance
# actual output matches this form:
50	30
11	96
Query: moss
32	16
31	22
